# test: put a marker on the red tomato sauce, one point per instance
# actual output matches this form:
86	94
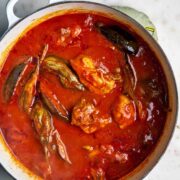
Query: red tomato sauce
121	150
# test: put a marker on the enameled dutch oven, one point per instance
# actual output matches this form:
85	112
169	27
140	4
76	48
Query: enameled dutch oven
8	161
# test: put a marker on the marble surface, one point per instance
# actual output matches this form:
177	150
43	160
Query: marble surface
166	16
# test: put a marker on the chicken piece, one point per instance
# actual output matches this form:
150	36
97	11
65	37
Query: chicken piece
124	111
97	79
88	117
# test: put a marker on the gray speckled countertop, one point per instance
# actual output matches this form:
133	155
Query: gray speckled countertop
166	16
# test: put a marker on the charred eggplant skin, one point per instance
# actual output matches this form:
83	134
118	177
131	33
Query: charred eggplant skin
60	67
122	39
14	78
11	81
52	102
46	131
28	94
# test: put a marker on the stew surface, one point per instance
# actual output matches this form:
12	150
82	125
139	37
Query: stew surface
82	97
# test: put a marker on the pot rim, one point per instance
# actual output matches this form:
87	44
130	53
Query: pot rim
174	119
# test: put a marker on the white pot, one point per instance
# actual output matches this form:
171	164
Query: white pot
10	163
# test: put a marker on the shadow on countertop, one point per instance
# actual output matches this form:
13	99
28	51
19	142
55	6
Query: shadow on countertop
4	175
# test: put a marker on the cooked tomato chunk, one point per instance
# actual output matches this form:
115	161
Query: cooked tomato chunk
142	111
124	111
68	34
98	174
88	117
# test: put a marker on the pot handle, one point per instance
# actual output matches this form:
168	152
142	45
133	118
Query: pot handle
12	18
